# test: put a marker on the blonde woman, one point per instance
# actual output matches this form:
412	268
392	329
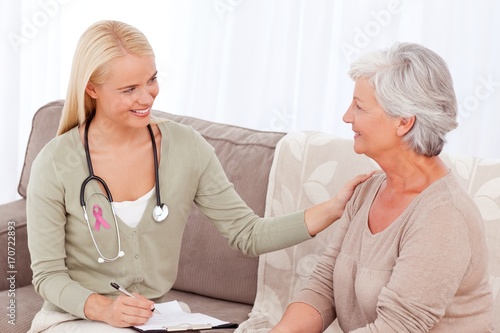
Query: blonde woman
103	154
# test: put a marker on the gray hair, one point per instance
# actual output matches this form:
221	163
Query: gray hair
411	80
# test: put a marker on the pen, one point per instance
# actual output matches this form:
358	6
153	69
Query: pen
124	291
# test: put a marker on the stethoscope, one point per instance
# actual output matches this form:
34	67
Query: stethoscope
160	211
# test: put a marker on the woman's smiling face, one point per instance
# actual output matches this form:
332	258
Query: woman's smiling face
128	93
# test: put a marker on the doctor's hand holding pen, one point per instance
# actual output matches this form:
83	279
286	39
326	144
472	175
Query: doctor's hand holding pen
123	311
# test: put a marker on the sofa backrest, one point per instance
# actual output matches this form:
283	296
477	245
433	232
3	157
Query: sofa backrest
208	266
43	129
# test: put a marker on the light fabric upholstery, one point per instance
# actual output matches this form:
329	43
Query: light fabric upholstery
310	167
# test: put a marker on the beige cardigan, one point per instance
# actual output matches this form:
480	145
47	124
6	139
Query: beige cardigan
427	272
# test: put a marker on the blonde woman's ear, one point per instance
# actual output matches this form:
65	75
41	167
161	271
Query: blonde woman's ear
90	90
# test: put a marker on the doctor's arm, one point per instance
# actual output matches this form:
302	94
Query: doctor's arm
46	221
247	232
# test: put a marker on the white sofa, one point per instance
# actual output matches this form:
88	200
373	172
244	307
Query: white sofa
308	168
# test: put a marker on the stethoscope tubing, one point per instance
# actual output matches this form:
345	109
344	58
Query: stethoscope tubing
160	211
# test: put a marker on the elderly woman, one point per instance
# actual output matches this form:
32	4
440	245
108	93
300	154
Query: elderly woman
409	254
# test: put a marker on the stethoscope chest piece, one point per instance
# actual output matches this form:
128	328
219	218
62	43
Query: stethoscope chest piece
160	212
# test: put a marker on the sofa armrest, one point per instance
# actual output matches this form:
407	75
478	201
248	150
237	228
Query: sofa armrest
14	255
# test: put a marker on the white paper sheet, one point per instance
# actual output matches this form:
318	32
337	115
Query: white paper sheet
173	318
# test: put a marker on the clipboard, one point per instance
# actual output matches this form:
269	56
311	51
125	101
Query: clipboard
186	328
174	319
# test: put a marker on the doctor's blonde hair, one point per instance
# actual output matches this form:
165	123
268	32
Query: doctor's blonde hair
100	44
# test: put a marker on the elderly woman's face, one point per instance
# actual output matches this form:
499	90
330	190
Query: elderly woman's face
374	131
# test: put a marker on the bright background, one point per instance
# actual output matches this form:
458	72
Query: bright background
266	64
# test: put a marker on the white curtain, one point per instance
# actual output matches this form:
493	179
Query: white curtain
266	64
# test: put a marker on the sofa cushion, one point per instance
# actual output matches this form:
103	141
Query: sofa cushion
246	155
310	167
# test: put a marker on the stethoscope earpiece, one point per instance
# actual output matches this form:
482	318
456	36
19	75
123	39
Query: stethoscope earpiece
160	213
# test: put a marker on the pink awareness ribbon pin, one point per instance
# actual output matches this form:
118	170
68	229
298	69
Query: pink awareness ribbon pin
97	211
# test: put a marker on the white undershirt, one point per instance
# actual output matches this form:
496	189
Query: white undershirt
131	212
